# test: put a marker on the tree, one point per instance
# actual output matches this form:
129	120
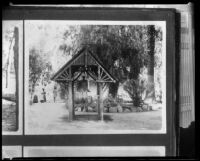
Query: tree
46	73
36	67
154	59
71	40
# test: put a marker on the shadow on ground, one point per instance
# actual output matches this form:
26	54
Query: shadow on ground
86	117
107	118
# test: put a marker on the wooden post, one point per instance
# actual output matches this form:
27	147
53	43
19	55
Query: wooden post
73	110
98	105
71	96
70	101
100	101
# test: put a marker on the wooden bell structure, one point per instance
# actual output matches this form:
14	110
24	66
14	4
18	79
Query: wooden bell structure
77	71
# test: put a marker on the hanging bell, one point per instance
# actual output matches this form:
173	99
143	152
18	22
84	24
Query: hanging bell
83	85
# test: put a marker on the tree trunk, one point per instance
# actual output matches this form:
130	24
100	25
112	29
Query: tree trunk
113	89
32	90
100	101
70	101
7	77
151	47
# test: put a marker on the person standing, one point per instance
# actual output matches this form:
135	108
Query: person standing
54	94
44	95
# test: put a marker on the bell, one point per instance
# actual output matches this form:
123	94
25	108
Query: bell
83	85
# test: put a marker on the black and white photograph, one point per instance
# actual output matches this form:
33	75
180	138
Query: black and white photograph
95	77
11	76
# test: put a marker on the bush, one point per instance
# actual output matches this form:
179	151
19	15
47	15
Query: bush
134	88
110	102
88	103
80	100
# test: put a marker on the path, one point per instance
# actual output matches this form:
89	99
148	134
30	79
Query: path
45	118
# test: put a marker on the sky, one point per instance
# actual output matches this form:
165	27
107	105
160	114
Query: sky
47	36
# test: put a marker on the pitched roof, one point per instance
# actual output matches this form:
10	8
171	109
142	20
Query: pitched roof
77	59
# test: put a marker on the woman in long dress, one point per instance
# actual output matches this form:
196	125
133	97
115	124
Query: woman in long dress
44	95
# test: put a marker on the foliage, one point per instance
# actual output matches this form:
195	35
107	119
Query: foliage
36	67
63	90
40	68
110	102
80	100
120	48
46	74
134	88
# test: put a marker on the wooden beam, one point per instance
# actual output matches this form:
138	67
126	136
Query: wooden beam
62	77
65	74
63	80
73	110
92	75
101	73
70	96
106	73
105	76
100	101
70	101
77	76
100	65
98	72
103	81
107	79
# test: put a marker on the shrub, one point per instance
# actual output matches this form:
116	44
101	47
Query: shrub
134	88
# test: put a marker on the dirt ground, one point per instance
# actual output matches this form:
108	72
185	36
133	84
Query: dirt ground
45	118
